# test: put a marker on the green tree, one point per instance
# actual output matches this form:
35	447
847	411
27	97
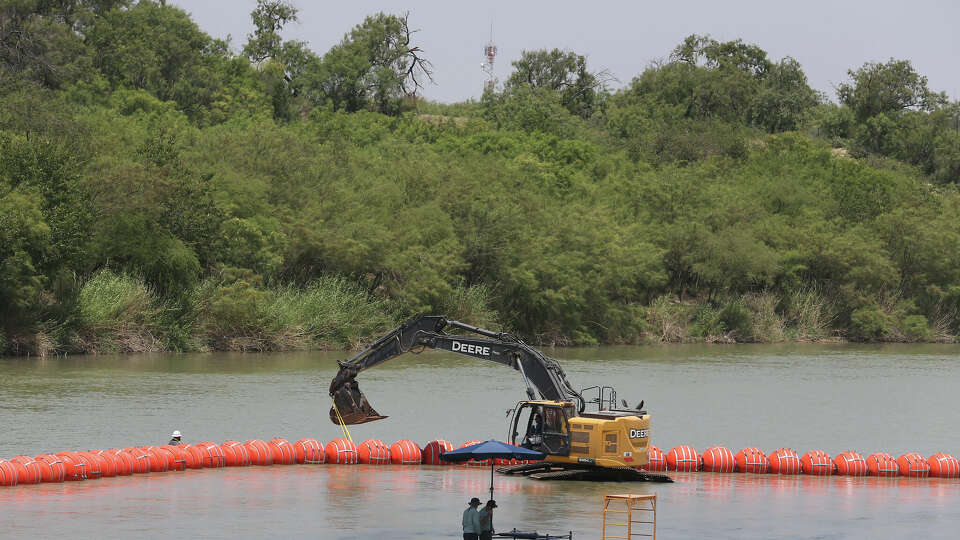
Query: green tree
891	87
269	18
563	72
373	67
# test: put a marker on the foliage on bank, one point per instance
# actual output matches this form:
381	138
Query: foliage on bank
165	192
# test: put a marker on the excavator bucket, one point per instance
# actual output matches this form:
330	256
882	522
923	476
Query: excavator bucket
352	405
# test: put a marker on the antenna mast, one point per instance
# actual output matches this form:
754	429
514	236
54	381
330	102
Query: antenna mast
490	54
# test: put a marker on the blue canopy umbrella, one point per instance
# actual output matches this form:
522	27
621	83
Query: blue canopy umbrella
491	450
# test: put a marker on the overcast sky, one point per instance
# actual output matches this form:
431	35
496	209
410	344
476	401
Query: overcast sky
826	37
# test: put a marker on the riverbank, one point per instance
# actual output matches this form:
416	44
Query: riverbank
119	313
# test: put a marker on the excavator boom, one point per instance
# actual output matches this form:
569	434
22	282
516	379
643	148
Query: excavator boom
542	374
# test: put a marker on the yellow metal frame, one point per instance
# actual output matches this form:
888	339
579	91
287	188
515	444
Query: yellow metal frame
632	503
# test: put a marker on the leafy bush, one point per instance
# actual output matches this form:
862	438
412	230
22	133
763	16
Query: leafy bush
868	324
916	328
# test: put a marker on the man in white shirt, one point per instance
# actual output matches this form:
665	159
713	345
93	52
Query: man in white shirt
471	521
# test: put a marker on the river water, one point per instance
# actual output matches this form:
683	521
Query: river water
835	398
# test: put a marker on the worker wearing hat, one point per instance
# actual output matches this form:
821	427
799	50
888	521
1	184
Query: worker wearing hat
175	438
486	520
471	520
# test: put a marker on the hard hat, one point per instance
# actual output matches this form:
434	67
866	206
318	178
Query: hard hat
175	434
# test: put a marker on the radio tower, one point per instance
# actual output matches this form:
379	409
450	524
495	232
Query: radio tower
490	52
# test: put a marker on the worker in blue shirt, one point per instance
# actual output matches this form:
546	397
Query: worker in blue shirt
471	520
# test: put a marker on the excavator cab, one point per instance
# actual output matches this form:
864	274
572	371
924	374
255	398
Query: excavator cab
543	426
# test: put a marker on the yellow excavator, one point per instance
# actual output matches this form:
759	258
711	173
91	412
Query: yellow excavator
608	444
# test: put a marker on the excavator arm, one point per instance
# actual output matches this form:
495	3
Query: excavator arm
541	374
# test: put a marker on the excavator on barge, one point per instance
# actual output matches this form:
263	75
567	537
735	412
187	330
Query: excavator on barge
608	444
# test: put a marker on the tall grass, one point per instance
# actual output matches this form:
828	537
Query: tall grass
117	313
330	312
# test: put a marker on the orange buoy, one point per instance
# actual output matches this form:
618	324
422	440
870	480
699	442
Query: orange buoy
8	473
28	470
850	464
159	461
211	455
373	452
816	463
718	459
309	451
183	458
882	464
190	455
404	452
474	462
751	460
683	458
142	460
783	461
20	472
656	461
170	456
51	468
913	465
235	454
433	449
125	461
283	453
341	452
259	451
943	466
107	465
75	469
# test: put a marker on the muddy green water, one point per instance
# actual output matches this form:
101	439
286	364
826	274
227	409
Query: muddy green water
865	398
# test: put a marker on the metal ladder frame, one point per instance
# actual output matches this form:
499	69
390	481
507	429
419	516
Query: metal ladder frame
632	504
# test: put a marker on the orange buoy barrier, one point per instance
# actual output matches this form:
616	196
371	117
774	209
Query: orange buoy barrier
404	452
341	452
142	460
75	469
943	466
259	451
751	460
167	456
283	453
183	458
191	456
28	470
126	463
433	449
211	455
850	464
913	465
656	461
373	452
309	451
718	459
51	468
783	461
8	473
158	461
21	473
106	466
235	454
816	463
474	462
683	458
